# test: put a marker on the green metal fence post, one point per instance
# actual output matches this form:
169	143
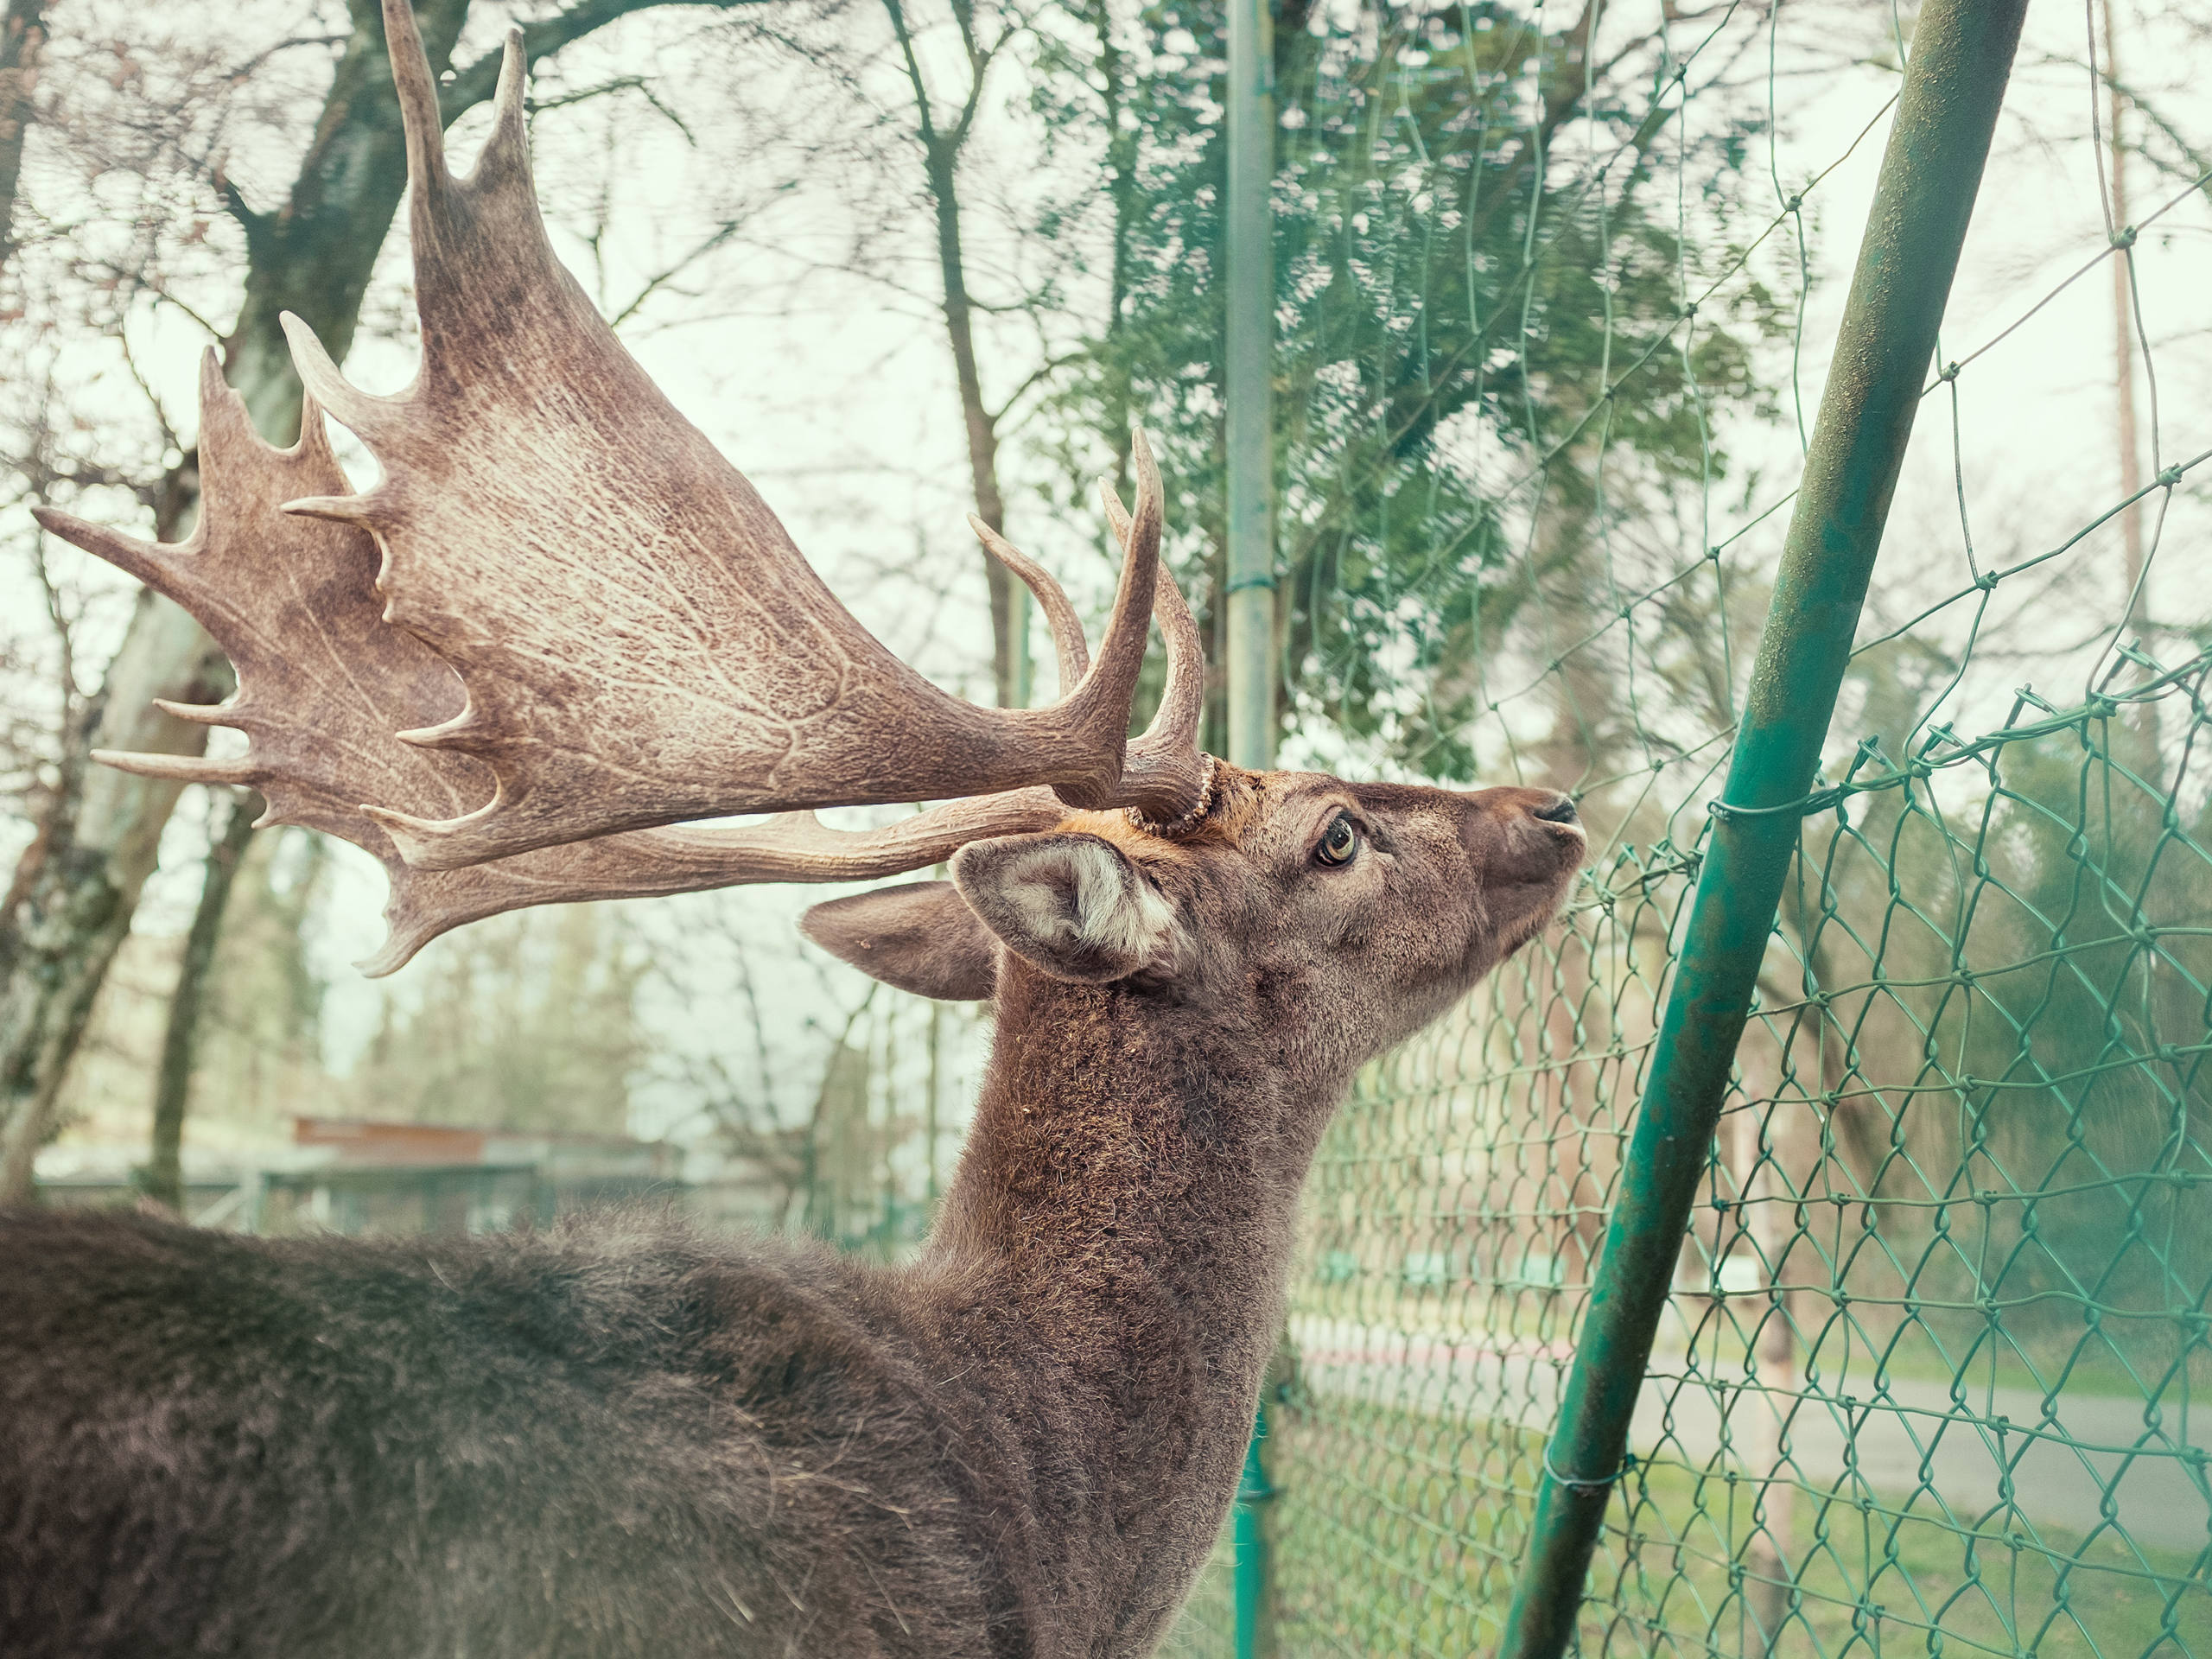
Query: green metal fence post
1250	1535
1248	439
1962	56
1250	599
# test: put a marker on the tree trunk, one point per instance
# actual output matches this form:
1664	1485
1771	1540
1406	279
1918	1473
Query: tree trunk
941	144
2143	738
22	33
1008	613
163	1178
74	906
1122	192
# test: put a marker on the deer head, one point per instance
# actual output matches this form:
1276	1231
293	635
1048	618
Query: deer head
1349	914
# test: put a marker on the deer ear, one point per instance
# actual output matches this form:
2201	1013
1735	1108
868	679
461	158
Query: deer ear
921	938
1071	904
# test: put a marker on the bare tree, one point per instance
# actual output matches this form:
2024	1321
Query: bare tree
74	895
77	885
941	131
772	1086
526	1023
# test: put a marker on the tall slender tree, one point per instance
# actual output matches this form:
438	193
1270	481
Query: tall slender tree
230	828
942	127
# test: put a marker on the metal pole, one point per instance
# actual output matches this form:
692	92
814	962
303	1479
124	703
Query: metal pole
1250	1541
1250	597
1962	55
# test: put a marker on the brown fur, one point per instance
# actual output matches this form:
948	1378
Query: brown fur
1021	1444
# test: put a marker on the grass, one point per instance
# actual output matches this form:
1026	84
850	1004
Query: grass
1397	1534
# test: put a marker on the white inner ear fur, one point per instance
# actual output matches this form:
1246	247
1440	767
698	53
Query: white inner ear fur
1114	909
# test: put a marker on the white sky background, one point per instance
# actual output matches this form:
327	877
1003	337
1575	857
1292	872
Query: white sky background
833	390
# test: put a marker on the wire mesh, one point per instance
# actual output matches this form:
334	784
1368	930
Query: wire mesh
1930	1378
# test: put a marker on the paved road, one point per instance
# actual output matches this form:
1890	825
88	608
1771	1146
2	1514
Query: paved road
1915	1437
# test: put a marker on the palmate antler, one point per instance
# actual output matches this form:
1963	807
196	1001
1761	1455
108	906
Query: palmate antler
598	622
639	641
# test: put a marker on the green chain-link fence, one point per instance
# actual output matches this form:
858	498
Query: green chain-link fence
1926	1380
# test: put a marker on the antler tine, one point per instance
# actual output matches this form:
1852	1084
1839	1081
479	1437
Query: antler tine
1111	682
175	768
417	89
1071	650
1167	778
1117	515
500	192
1182	700
422	121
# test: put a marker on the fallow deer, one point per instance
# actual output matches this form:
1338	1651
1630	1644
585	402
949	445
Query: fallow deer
621	1438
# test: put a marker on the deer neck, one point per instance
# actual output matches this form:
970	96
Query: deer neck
1113	1253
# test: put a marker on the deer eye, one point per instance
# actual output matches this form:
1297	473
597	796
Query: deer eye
1339	842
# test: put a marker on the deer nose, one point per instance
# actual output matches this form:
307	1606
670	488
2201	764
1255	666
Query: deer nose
1558	810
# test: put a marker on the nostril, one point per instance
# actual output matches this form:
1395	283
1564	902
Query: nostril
1561	811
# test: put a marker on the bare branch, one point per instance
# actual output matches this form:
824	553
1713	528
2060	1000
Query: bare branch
1044	371
637	83
923	115
251	220
246	70
716	238
476	83
170	440
2197	163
